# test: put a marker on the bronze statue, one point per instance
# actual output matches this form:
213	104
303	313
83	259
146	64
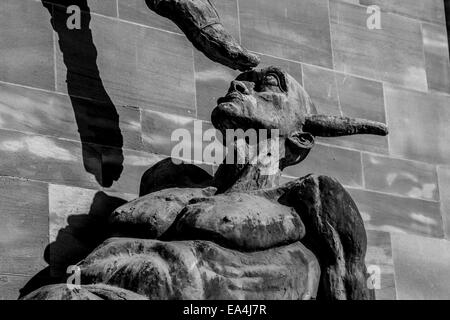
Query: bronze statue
239	234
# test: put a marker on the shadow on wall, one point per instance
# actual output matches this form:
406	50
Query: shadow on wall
96	116
101	138
74	242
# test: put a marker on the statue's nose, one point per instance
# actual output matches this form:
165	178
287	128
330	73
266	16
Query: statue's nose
239	86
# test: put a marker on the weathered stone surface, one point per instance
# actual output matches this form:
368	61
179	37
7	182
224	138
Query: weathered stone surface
199	20
381	55
150	216
241	221
421	267
202	270
289	29
87	292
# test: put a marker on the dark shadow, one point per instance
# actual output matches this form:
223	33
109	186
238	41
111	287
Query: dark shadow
96	116
447	17
74	242
101	138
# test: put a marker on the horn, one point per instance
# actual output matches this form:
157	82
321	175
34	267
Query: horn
334	126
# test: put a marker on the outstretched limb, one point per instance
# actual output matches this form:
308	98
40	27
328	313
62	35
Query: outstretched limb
201	24
335	233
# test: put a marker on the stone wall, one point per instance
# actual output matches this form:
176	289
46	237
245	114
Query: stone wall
83	115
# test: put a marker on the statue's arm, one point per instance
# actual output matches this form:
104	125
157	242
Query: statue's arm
335	233
200	22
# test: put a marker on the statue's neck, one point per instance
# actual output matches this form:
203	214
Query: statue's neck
248	170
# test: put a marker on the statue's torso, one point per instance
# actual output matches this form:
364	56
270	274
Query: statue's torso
243	221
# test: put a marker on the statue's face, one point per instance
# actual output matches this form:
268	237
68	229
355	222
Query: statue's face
263	99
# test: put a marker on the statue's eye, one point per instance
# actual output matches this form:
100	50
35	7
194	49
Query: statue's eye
271	80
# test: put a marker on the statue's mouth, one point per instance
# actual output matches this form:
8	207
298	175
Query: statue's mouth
232	96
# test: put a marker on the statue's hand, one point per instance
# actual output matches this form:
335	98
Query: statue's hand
200	22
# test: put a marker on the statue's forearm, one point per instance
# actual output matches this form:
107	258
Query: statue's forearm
200	22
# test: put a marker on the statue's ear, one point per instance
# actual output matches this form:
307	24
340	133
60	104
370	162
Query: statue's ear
298	145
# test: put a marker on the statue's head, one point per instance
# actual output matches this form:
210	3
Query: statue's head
272	99
263	99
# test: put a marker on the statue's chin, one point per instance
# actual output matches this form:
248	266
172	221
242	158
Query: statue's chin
225	116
